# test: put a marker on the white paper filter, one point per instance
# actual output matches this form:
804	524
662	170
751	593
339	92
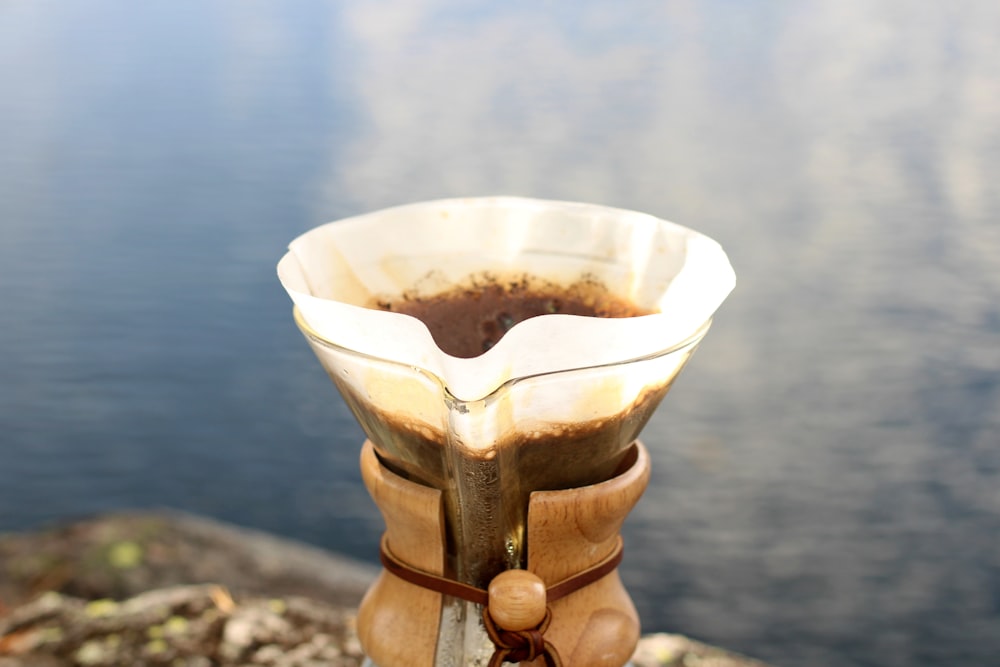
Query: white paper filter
334	271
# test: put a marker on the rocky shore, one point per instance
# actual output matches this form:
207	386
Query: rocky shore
163	588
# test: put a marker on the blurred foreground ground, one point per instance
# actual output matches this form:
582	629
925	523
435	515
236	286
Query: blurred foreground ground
173	589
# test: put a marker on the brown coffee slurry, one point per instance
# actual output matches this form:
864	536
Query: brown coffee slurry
486	493
468	320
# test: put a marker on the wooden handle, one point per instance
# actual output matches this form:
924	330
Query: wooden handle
397	621
569	531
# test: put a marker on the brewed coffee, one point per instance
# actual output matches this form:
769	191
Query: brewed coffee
468	320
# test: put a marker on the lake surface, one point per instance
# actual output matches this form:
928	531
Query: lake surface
826	486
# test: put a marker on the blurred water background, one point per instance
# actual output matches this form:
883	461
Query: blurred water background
826	486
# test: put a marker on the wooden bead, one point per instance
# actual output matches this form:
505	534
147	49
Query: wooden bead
517	600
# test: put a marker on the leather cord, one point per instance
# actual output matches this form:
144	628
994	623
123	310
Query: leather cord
523	645
520	646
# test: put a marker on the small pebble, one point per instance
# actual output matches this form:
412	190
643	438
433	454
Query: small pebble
267	655
90	653
175	625
99	608
156	646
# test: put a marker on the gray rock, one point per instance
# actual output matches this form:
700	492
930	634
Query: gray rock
163	588
123	554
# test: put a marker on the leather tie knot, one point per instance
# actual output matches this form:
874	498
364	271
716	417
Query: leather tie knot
518	603
520	645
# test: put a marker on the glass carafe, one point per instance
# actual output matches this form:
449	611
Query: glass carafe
557	403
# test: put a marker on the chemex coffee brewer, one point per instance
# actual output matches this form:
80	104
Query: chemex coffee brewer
502	356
